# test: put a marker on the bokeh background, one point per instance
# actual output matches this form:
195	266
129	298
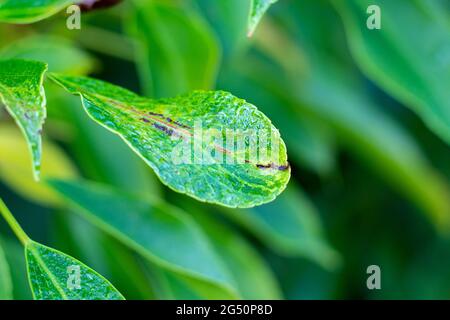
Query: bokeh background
364	114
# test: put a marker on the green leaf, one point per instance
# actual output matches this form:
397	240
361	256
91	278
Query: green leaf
295	230
417	75
5	278
357	122
50	273
100	154
15	257
54	275
252	275
257	10
385	145
177	52
61	55
309	142
22	93
29	11
175	286
161	233
229	21
79	238
155	129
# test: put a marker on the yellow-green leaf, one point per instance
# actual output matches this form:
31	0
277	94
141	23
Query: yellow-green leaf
15	170
61	54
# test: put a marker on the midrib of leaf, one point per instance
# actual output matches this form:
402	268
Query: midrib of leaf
218	169
41	262
156	119
134	110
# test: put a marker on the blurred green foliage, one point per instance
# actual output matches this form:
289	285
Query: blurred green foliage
364	114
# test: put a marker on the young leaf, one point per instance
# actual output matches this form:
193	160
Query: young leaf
177	51
257	10
154	129
29	11
417	75
5	278
54	275
163	234
22	93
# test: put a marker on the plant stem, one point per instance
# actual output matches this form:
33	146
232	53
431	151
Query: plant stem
12	222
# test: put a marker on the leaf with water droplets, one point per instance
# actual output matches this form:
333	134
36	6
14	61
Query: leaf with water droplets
28	11
182	139
22	93
54	275
257	10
